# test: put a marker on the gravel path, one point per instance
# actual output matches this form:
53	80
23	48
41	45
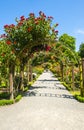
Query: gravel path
47	106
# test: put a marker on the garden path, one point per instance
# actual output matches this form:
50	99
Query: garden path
46	106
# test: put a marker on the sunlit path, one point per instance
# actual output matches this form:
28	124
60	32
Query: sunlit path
46	106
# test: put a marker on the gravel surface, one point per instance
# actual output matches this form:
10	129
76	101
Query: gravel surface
46	106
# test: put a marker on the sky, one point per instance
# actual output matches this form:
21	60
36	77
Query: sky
69	14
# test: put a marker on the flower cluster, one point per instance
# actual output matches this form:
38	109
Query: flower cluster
29	32
9	26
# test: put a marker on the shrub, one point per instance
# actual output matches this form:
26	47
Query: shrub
79	98
6	102
18	98
9	102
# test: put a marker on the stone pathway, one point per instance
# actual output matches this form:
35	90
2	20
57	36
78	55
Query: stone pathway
46	106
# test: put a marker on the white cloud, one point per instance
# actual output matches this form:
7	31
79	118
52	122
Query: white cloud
80	31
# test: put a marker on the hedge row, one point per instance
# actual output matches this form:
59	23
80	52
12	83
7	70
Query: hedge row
79	98
4	97
9	102
6	102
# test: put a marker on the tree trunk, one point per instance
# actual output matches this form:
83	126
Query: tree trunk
72	80
11	77
62	71
21	77
28	72
82	79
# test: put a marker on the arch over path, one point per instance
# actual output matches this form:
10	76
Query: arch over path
46	106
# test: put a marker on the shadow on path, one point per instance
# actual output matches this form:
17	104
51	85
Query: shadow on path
47	87
50	80
34	93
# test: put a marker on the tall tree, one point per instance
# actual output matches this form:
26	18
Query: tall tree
69	41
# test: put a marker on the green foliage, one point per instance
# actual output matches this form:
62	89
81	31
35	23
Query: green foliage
6	53
5	99
6	102
42	57
19	39
69	41
29	32
81	50
4	95
62	53
30	84
67	86
18	98
26	89
79	98
38	70
38	59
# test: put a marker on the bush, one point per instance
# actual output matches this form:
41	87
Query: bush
79	98
4	95
6	102
9	102
18	98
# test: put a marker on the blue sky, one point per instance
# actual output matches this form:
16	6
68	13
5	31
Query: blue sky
69	14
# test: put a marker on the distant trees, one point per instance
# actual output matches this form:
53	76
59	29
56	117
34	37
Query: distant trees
81	50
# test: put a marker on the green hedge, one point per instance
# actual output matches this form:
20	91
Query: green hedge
6	102
79	98
9	102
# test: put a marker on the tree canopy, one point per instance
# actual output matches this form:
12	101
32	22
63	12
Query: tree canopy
81	50
69	41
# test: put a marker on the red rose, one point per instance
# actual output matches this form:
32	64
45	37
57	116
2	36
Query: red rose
48	48
22	18
8	42
29	29
6	26
12	26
